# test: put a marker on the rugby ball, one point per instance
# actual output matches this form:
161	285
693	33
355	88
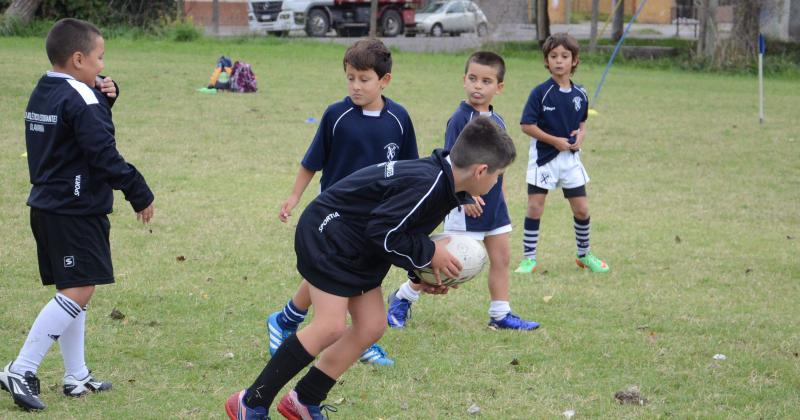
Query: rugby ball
469	251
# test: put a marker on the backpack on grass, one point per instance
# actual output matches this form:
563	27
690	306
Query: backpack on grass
243	79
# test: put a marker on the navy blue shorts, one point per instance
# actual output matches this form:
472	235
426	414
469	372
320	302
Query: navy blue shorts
73	251
333	258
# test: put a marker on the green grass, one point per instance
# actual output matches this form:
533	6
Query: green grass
694	205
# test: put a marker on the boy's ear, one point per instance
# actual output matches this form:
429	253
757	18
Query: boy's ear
386	79
78	59
481	170
500	86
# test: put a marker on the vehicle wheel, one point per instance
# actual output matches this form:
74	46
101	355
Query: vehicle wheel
391	23
483	30
318	23
437	30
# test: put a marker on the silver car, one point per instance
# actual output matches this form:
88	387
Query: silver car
453	17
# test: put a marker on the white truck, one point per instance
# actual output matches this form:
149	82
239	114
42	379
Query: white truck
318	17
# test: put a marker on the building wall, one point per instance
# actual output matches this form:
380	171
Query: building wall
231	12
655	11
508	11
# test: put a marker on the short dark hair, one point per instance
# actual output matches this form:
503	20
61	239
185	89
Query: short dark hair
68	36
561	39
488	58
483	141
369	54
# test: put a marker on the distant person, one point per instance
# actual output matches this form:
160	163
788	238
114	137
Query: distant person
555	117
487	220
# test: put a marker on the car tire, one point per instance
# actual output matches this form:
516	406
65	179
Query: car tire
437	30
318	23
391	23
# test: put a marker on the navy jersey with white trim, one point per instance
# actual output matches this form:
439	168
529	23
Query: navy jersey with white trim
72	156
557	112
347	140
495	212
388	210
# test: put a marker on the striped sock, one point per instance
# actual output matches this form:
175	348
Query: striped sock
530	239
582	236
54	318
291	317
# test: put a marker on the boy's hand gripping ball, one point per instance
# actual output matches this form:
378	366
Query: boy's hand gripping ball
469	251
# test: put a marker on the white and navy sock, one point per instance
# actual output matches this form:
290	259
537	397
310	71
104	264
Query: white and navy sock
498	309
530	238
51	322
72	347
406	292
292	316
582	236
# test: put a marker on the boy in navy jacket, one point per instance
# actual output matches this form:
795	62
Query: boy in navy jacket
365	128
346	241
488	219
74	166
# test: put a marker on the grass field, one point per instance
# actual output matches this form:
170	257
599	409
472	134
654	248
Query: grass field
695	206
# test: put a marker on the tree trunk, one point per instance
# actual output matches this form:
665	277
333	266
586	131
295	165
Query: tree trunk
373	18
593	29
22	10
542	21
215	16
707	25
742	47
619	21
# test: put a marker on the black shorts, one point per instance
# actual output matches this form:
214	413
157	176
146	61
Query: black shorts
333	258
73	251
568	192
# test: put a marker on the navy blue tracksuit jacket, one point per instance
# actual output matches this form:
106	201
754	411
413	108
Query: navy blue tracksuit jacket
350	235
72	155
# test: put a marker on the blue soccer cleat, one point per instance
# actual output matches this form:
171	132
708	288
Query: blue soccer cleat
277	333
513	322
237	410
375	355
399	311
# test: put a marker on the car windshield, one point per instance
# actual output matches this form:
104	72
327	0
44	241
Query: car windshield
432	8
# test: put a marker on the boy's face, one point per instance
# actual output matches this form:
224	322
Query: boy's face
88	66
480	84
483	180
365	87
560	61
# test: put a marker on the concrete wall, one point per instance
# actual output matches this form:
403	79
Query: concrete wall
508	11
655	11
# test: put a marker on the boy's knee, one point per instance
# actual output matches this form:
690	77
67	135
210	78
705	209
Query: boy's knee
373	330
581	213
500	258
535	210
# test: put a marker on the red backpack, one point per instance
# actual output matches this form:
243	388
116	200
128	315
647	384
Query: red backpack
243	79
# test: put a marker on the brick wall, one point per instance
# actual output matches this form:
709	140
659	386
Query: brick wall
231	12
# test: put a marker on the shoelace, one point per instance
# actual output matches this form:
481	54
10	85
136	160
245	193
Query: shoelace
328	409
406	305
32	382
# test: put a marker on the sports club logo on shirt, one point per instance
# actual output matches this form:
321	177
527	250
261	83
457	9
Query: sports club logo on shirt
391	150
69	261
577	101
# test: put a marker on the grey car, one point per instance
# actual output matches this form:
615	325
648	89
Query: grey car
453	17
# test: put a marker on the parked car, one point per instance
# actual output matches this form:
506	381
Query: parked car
453	17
